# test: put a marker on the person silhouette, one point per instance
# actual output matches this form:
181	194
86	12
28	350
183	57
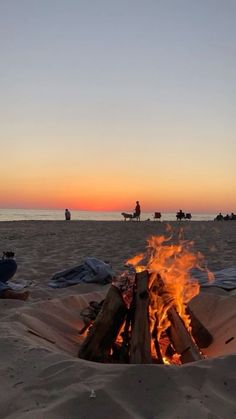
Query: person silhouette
219	217
180	214
137	211
67	214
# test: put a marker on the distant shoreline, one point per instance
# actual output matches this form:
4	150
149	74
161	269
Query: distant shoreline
113	221
58	215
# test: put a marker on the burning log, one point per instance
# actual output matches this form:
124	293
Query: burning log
152	331
177	332
124	353
140	345
104	331
156	342
201	335
181	338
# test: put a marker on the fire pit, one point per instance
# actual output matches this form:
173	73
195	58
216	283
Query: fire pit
145	316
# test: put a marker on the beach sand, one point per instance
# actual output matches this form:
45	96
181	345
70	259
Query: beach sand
41	376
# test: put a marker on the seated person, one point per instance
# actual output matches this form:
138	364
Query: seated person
67	214
8	267
180	214
219	217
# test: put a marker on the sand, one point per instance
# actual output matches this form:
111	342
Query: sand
41	377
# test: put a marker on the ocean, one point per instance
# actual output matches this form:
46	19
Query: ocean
39	214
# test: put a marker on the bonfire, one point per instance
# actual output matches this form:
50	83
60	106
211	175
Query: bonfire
145	317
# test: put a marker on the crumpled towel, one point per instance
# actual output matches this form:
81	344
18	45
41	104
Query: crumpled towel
224	278
92	270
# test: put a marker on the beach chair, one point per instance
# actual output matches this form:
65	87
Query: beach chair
157	216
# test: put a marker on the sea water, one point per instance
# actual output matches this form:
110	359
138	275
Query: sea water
57	214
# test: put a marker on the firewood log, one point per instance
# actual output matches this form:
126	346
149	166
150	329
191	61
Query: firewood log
156	342
181	338
140	345
177	332
202	336
104	331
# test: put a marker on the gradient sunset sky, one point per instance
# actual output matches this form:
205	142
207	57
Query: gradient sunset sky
107	102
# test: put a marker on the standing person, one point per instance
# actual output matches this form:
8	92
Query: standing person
137	211
8	267
67	214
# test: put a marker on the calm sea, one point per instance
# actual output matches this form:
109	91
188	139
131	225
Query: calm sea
34	214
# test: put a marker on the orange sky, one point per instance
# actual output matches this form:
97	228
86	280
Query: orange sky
99	192
121	105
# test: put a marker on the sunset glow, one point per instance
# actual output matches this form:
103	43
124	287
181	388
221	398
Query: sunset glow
121	105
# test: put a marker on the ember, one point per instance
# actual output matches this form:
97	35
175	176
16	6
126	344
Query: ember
145	316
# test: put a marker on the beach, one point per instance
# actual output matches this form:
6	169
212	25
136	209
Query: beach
41	376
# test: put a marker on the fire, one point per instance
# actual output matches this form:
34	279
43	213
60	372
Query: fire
145	317
172	264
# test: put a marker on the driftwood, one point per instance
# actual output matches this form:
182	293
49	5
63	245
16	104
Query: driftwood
104	331
140	345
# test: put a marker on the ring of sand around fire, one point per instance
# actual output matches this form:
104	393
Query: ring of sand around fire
56	323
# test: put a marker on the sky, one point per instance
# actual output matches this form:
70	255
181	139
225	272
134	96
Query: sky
107	102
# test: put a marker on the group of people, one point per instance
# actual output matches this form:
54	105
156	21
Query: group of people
226	217
180	215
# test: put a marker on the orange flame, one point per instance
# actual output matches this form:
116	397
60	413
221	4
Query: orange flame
173	262
170	284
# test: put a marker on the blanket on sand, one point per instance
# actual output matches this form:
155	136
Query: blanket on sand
92	270
97	271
